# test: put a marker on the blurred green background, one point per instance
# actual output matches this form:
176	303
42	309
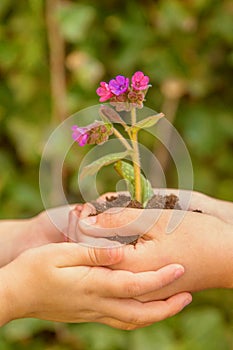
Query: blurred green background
52	56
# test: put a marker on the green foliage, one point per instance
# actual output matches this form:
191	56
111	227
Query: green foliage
186	42
146	123
126	171
95	166
75	21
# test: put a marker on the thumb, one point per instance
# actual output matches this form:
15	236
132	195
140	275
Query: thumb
73	254
119	221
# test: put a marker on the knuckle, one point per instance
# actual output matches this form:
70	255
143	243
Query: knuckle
133	288
94	256
162	281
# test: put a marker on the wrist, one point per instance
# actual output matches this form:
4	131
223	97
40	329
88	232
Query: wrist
16	291
14	239
226	247
7	301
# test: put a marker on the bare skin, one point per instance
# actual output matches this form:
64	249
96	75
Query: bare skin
202	243
67	282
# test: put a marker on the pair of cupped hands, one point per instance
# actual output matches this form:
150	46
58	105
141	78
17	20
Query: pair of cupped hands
129	286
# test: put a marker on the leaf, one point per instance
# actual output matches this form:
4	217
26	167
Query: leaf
147	122
126	171
147	190
109	114
94	167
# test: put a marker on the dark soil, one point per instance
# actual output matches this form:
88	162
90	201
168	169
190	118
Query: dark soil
156	202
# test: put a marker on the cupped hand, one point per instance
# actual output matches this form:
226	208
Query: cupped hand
202	243
67	282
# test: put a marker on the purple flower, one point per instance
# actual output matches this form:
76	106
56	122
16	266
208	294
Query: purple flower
119	85
104	92
80	135
140	81
123	96
95	133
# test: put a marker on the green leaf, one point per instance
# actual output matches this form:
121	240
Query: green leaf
147	190
147	122
126	171
94	167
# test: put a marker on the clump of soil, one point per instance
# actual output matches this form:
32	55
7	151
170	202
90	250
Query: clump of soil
170	201
156	202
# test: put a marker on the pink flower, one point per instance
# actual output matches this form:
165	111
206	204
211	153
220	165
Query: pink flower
104	92
119	85
121	94
140	81
95	133
80	135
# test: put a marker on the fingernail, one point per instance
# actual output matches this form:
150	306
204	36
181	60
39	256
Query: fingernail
179	272
187	301
90	220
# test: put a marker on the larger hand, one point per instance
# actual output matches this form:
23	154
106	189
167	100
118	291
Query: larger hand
203	244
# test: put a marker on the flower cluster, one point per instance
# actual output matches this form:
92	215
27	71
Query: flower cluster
126	95
123	95
95	133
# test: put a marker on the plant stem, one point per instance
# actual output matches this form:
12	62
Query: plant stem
133	116
122	139
136	157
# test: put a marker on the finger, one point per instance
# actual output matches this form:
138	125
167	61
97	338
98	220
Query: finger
131	222
75	234
94	241
87	209
138	313
120	221
115	323
72	254
127	221
124	284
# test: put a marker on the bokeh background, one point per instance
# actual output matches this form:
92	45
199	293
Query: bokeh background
52	56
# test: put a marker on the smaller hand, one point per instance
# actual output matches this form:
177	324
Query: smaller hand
64	282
